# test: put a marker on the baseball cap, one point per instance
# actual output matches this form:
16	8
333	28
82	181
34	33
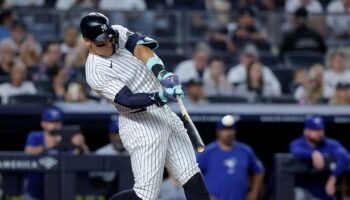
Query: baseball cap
314	122
226	122
52	115
113	127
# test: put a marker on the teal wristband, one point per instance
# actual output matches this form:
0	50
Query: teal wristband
153	61
162	97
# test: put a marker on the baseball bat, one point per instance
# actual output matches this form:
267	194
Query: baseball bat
192	131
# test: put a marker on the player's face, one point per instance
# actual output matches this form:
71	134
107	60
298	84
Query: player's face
104	48
226	136
50	126
314	136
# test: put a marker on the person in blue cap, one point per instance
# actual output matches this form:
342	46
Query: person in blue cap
227	164
42	142
312	146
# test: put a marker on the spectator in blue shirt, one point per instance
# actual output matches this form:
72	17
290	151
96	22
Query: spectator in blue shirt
226	165
312	146
40	142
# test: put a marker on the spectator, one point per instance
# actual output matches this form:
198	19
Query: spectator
42	142
7	56
337	72
70	40
338	18
20	36
52	58
256	85
311	6
194	68
312	146
30	52
6	20
238	74
248	32
300	77
171	189
76	92
314	90
18	85
108	180
20	3
215	83
59	84
195	94
226	165
302	38
341	95
77	57
75	4
136	17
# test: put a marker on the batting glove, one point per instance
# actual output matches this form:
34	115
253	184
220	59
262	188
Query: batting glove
169	80
169	94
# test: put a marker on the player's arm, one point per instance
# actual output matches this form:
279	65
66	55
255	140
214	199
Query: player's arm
33	145
142	48
300	151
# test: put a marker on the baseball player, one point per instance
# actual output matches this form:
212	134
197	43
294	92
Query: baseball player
123	68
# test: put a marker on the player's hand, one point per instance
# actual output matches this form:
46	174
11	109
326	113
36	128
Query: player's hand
169	94
170	80
330	186
317	160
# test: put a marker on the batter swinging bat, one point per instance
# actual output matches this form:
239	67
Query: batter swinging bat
192	131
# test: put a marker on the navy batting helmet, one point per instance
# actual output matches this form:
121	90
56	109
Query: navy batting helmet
96	27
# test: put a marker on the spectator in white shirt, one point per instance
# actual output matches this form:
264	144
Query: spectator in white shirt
196	67
337	71
256	85
18	85
314	90
312	6
338	18
215	83
70	40
238	74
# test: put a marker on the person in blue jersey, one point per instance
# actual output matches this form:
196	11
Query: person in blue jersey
42	142
312	146
228	164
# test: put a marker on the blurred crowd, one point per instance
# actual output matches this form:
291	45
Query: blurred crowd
231	54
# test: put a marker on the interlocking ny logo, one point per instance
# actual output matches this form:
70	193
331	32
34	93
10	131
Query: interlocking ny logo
47	162
104	27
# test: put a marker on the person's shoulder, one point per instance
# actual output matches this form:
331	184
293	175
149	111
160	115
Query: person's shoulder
107	150
211	147
185	63
298	141
334	6
332	142
36	134
243	146
3	86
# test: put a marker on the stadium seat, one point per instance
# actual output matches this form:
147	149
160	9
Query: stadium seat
43	86
284	99
285	77
29	99
303	59
4	78
268	59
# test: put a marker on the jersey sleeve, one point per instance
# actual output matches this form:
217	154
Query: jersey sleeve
255	165
129	39
34	140
341	157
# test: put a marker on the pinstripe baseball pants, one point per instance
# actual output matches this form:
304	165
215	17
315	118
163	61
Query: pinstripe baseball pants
156	138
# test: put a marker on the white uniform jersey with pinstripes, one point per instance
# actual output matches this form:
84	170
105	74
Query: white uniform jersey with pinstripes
154	138
108	75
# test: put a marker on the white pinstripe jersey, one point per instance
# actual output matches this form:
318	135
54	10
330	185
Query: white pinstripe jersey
108	75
